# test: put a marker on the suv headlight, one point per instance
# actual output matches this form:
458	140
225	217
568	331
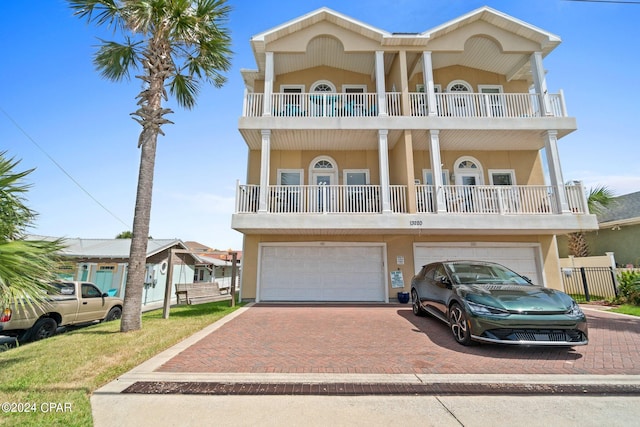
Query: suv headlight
485	310
575	310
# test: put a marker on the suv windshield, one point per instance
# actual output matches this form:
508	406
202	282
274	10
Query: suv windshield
483	273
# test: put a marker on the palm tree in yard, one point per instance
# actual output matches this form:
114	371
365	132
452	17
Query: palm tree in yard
26	265
177	45
598	199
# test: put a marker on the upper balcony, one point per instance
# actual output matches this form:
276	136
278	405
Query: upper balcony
452	105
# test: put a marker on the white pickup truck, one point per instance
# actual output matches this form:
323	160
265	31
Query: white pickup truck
69	303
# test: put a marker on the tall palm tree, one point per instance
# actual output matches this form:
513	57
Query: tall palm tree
598	199
26	265
177	44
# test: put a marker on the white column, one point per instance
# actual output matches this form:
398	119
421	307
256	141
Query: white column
268	83
436	170
429	86
383	155
380	84
540	83
265	157
555	171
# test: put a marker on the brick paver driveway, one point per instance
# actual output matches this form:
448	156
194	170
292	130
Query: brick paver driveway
389	339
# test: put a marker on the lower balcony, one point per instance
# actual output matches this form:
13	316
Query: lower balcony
451	209
365	199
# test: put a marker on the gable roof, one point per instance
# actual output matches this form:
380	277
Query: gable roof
483	53
109	248
547	40
624	210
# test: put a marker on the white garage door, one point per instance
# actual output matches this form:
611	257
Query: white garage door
328	272
524	260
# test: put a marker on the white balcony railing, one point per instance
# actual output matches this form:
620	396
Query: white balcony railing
320	198
476	199
500	199
511	105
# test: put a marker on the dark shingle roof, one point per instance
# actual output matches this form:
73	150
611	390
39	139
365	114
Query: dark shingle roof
623	207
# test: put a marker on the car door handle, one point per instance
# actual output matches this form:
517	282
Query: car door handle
84	303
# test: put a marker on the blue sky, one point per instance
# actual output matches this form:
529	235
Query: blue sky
55	108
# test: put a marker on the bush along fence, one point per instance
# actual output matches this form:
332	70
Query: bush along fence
585	284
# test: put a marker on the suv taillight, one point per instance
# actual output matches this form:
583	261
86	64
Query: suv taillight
6	315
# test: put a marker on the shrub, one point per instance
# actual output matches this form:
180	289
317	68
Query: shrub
629	287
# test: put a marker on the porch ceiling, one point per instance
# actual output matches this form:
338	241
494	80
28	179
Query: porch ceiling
366	139
319	139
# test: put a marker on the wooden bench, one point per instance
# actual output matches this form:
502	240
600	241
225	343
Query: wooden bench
196	293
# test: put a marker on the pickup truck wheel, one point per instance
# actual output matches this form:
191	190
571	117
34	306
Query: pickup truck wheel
114	314
43	328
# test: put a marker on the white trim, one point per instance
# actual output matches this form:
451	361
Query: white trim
436	88
345	172
363	87
445	175
322	82
283	87
499	87
459	82
511	172
333	171
281	171
330	244
457	171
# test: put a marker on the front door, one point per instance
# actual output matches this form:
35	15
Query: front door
467	198
324	194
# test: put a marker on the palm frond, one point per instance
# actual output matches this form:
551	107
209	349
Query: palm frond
185	89
599	198
115	60
99	11
26	267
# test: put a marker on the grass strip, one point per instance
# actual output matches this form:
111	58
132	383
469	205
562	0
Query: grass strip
49	382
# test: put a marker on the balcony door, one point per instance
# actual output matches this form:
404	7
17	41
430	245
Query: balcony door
468	174
323	176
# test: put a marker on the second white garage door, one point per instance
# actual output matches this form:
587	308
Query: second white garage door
322	272
523	259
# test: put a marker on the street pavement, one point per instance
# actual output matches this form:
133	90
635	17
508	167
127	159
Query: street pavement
290	365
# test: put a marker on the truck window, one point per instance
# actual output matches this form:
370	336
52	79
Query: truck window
90	291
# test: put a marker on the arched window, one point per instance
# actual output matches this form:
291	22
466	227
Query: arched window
323	86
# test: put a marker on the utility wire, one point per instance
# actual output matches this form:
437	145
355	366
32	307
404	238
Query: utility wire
61	168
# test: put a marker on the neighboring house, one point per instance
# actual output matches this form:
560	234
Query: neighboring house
619	231
373	153
213	265
105	261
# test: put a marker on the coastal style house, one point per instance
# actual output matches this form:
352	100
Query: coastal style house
105	262
372	153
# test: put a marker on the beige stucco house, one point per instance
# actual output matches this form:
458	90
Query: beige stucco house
372	153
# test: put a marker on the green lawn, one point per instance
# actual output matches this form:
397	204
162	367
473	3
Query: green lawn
633	310
54	378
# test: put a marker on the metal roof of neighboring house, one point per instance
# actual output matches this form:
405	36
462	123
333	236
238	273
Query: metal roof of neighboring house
625	209
212	261
108	248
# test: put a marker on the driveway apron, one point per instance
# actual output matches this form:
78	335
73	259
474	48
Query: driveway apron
389	339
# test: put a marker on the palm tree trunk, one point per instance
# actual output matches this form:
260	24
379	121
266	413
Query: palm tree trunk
132	310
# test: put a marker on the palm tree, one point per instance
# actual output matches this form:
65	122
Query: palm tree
178	44
26	265
598	199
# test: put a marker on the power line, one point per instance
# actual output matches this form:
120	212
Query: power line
61	168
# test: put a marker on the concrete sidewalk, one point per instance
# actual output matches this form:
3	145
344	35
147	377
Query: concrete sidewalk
112	407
